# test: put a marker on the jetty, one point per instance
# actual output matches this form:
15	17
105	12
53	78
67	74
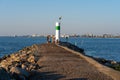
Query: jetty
49	61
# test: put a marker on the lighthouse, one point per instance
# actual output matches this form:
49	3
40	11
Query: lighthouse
57	32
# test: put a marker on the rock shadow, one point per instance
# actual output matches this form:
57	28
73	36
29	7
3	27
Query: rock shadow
72	46
79	79
45	76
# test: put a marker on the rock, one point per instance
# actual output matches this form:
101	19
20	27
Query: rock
113	62
108	64
19	64
36	53
5	64
72	46
4	75
23	66
19	71
15	57
29	52
23	52
31	67
34	67
116	66
16	64
31	59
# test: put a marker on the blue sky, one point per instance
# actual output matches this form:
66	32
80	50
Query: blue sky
24	17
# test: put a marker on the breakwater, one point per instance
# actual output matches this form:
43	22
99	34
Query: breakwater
20	65
49	61
110	63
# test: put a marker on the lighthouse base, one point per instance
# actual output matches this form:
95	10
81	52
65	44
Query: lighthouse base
57	36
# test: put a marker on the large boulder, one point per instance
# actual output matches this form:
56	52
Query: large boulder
31	59
5	64
19	71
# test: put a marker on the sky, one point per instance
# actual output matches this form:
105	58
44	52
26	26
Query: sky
27	17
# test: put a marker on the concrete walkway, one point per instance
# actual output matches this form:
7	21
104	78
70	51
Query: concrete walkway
60	64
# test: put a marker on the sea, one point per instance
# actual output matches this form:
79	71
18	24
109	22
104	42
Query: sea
108	48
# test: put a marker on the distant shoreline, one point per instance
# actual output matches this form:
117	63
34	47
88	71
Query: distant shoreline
114	37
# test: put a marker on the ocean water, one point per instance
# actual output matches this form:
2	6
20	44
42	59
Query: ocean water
10	45
108	48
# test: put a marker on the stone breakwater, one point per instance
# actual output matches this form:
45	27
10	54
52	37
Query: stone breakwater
110	63
20	65
23	65
72	47
53	62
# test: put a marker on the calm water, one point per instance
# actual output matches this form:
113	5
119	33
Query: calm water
98	47
12	44
107	48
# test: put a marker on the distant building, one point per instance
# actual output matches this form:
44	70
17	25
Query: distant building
107	36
